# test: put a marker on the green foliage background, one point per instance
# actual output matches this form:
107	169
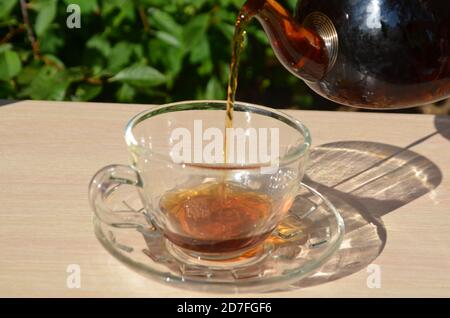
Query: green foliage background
148	51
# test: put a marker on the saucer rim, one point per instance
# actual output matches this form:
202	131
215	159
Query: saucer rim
243	286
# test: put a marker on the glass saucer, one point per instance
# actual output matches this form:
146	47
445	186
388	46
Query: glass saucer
311	232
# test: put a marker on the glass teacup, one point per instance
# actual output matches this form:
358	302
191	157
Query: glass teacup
208	203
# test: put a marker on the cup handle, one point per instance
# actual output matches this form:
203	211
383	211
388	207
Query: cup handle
109	179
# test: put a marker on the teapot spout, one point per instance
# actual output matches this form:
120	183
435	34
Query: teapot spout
299	49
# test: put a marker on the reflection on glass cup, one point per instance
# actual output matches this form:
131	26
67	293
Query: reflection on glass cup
208	204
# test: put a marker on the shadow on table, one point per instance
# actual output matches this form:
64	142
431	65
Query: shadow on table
4	102
442	124
366	181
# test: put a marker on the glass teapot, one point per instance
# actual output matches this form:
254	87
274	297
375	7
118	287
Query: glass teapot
363	53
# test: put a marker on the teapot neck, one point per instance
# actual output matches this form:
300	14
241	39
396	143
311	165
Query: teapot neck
300	49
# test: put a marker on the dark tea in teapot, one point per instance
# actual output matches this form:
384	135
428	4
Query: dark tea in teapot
368	54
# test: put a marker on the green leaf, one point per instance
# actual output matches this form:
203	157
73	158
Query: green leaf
206	68
200	52
46	15
51	42
167	38
86	92
227	16
164	22
156	52
27	74
174	61
261	36
73	74
25	55
214	89
126	93
5	47
235	3
224	71
138	51
86	6
127	12
292	3
8	22
99	43
94	61
120	55
196	4
140	75
195	31
55	60
227	30
10	65
51	83
6	7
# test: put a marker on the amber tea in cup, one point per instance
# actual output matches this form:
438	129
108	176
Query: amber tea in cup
216	217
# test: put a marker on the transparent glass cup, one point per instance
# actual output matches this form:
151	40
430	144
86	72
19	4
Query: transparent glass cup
207	207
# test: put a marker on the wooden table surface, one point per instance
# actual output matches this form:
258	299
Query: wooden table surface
388	173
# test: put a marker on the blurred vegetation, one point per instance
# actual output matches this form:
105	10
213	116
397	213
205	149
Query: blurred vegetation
139	51
147	51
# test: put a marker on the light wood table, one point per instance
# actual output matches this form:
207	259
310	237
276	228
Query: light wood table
49	151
